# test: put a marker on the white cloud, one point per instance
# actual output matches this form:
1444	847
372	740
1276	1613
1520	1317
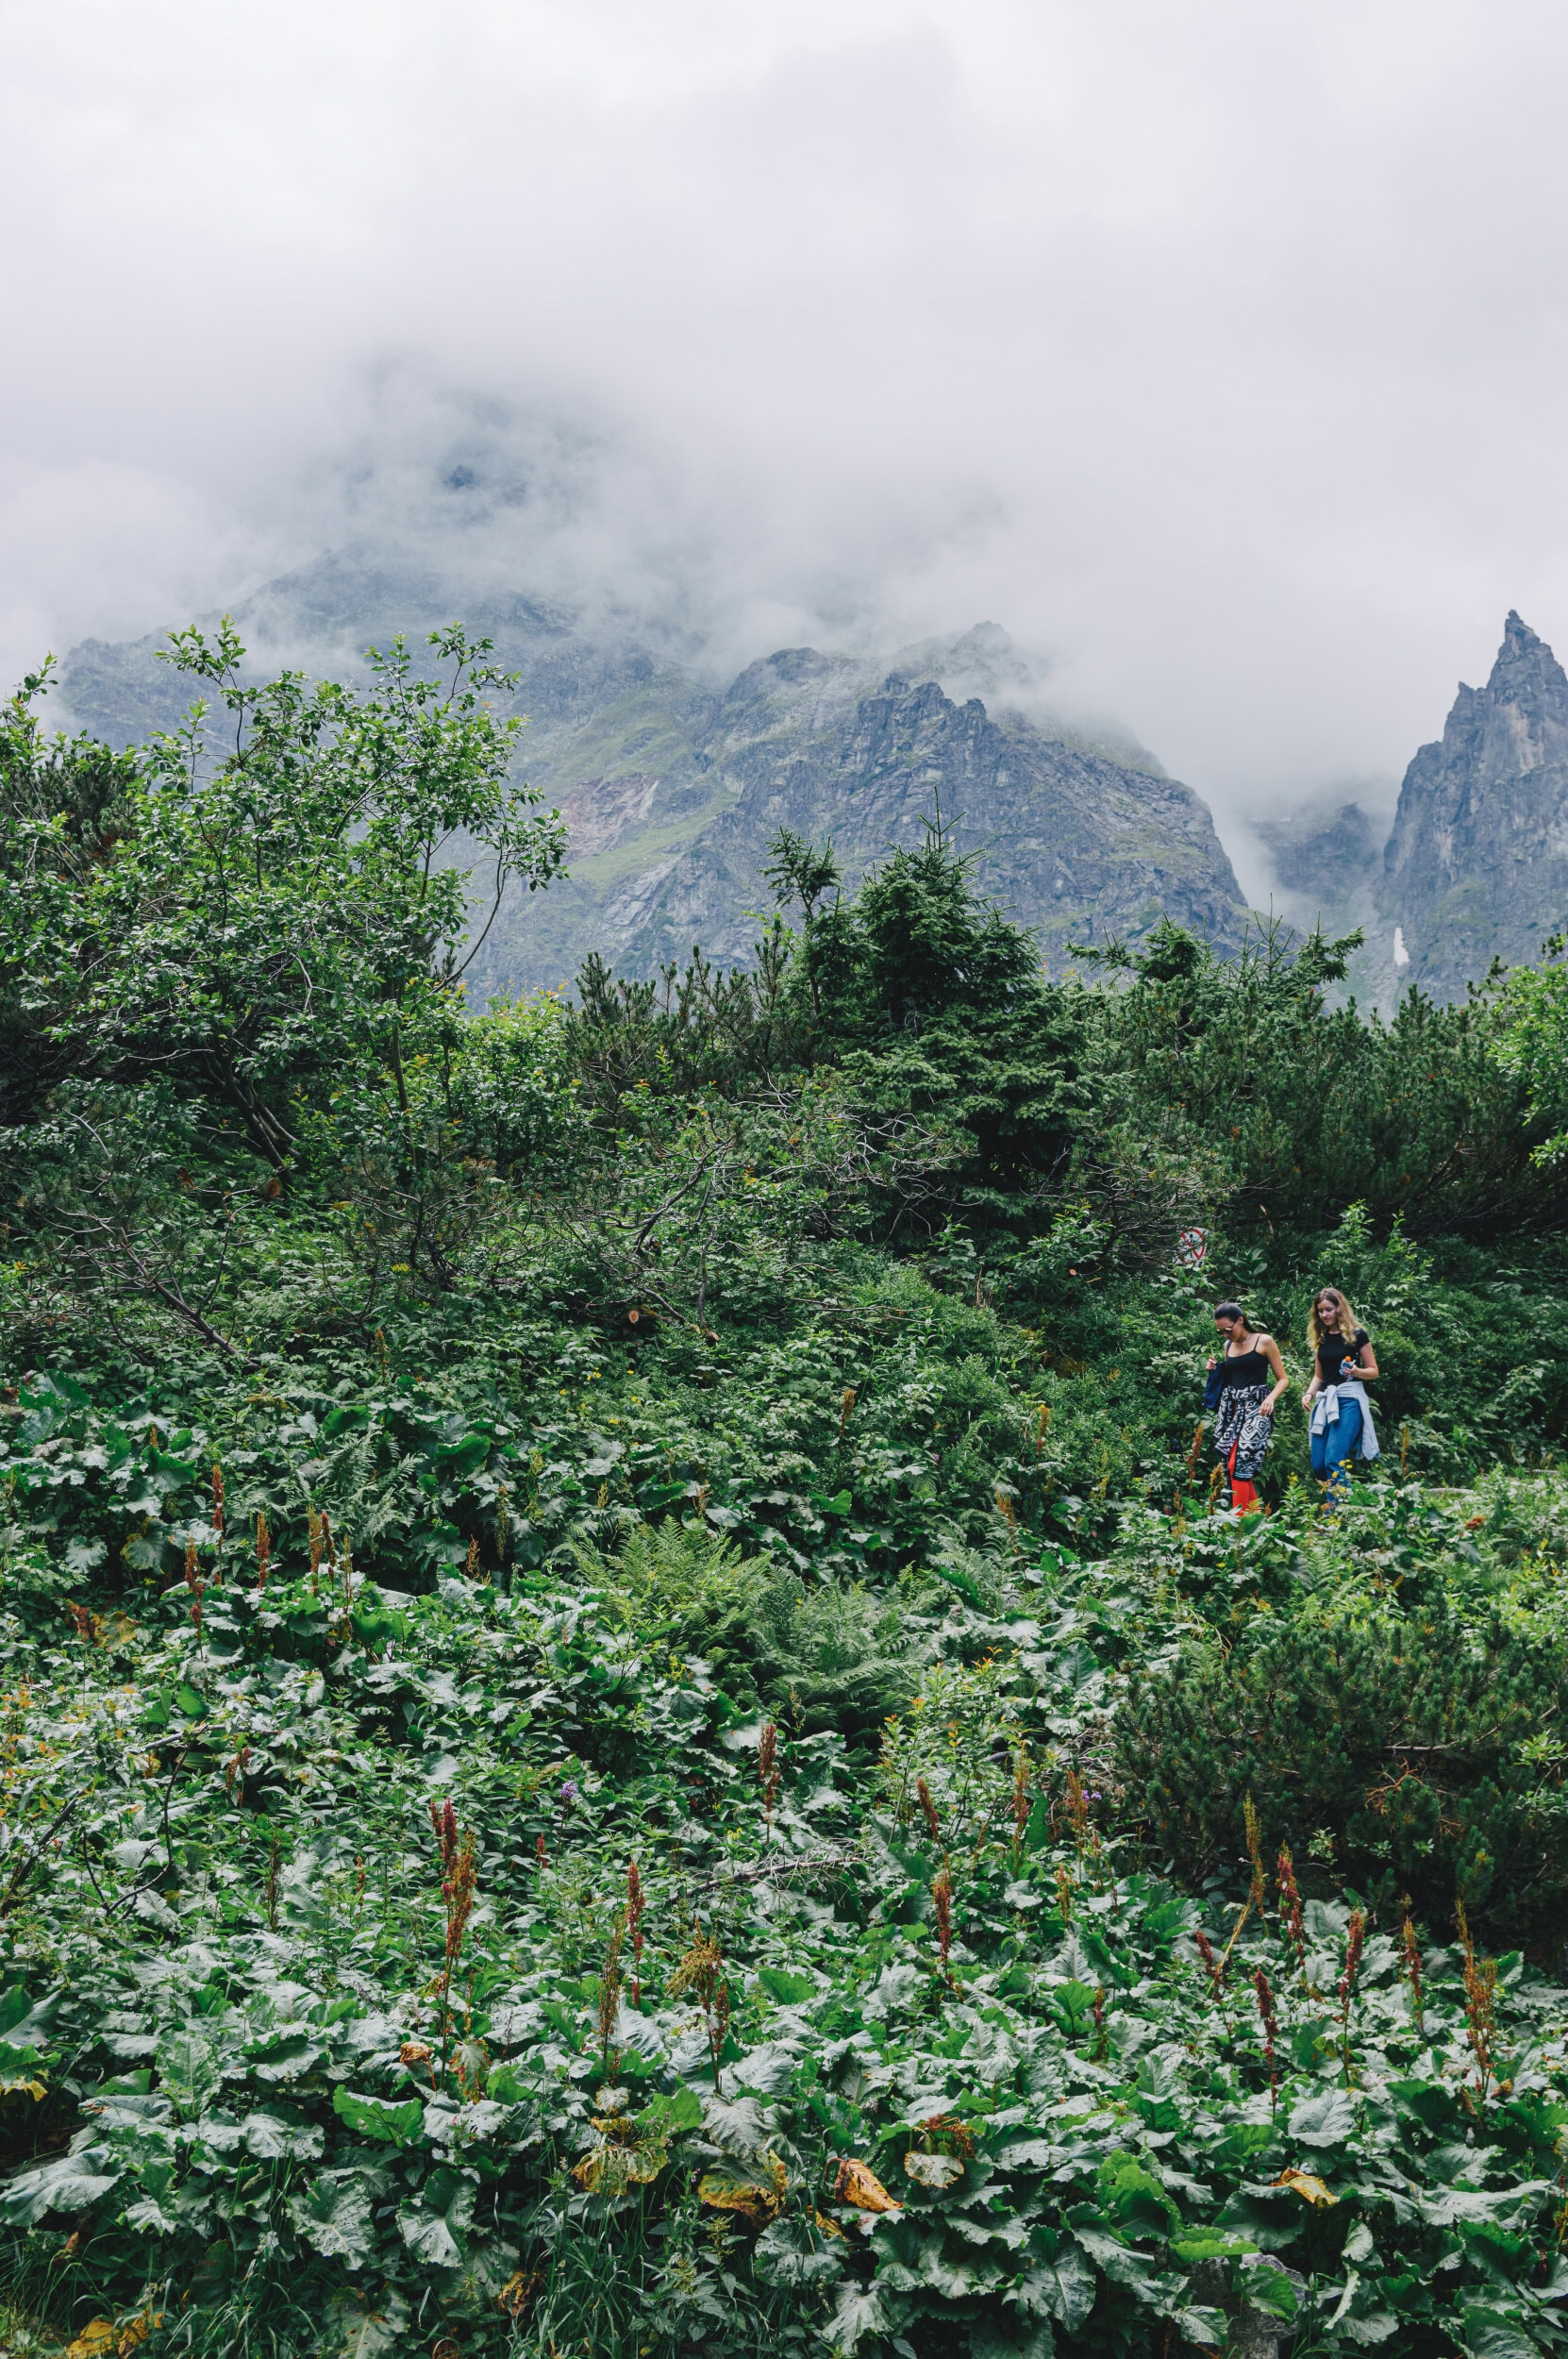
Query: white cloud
1217	347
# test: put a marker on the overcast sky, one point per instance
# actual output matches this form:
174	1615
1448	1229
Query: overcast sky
1217	346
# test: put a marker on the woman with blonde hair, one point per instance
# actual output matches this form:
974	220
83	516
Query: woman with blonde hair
1344	1362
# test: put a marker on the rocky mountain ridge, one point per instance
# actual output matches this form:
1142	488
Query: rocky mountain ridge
673	783
1475	866
1072	843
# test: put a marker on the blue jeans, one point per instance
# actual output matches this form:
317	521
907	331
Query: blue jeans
1334	1447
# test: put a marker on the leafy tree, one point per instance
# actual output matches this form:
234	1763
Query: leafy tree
216	953
258	916
65	806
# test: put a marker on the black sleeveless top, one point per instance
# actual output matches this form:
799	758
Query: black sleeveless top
1245	1367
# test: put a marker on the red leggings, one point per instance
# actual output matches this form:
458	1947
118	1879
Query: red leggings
1243	1495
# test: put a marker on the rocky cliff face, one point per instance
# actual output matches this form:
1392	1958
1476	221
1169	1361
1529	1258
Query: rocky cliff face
1327	863
1324	859
673	785
1071	843
1477	866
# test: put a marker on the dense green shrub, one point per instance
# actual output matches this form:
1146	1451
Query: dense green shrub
1312	1105
1391	1740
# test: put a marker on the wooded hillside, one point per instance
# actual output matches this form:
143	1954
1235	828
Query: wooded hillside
631	1721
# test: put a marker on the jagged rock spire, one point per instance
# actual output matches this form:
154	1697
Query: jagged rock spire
1477	866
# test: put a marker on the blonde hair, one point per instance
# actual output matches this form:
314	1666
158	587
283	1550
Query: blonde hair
1344	1325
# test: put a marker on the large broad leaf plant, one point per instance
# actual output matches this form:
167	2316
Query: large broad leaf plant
950	2073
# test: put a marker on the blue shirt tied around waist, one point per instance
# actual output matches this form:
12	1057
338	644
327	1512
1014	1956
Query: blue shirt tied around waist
1342	1429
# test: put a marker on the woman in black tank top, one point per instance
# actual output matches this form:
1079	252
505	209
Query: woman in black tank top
1243	1414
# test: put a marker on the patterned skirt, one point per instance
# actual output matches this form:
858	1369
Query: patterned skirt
1239	1423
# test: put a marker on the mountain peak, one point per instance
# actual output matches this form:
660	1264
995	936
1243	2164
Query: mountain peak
1478	864
1523	660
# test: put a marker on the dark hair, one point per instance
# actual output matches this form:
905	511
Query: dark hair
1232	1311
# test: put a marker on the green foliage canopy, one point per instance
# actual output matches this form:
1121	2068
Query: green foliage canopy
249	924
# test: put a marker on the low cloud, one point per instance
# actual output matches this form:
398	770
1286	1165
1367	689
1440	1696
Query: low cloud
1213	351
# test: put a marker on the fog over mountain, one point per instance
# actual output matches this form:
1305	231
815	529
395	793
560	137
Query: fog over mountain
1211	351
674	781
